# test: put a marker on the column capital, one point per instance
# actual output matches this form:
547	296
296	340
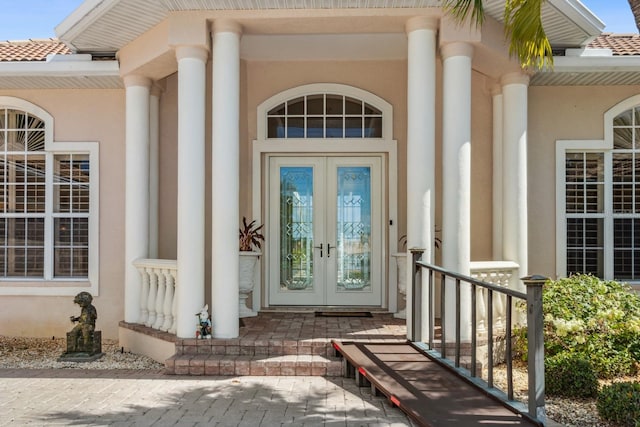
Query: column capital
226	26
496	89
195	52
156	90
456	49
422	23
515	78
137	80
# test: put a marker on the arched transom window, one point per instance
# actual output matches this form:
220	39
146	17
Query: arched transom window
324	115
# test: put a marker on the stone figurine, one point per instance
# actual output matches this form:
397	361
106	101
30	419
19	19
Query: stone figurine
83	341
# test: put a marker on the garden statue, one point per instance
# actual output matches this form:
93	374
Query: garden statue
204	323
84	343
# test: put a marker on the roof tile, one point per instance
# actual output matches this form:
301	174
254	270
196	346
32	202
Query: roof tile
31	50
620	44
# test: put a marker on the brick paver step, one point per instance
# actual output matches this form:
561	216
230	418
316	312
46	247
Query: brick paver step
239	365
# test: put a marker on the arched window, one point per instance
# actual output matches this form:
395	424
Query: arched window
45	198
324	116
601	193
325	111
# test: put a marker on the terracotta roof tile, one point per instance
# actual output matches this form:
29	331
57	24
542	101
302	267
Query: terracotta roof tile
31	50
620	44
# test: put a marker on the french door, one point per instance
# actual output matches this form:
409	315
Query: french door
325	231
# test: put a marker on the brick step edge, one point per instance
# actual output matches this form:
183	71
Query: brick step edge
248	347
225	365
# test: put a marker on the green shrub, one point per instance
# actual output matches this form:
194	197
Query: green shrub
569	375
594	319
620	403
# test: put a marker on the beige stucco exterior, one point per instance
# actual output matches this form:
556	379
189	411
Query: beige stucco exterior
554	113
81	116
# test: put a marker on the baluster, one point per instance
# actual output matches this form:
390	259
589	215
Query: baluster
174	306
481	312
498	302
168	300
159	298
144	296
153	293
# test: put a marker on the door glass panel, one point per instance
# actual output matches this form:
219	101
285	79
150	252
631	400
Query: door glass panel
296	228
353	228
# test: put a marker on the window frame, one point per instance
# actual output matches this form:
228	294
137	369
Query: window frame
606	147
50	285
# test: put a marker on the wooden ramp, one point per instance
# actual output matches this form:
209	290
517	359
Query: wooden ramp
431	394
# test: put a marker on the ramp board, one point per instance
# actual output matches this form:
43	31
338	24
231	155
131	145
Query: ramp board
429	393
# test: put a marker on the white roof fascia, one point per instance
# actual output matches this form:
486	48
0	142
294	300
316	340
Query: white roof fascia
595	64
60	69
580	15
589	52
81	18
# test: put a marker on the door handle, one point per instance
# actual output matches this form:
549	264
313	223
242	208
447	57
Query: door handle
319	247
328	250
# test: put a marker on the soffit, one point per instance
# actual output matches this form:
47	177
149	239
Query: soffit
49	82
602	78
566	23
108	25
590	71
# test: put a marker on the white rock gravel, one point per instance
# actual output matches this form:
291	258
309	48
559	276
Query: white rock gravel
40	353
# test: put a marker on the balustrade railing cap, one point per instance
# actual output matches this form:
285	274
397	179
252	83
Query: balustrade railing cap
534	279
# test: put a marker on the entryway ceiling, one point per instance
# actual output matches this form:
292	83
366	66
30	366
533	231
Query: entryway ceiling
103	26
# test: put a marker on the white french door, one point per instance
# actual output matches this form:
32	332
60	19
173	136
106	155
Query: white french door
325	231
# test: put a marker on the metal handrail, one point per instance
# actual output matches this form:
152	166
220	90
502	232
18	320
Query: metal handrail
533	300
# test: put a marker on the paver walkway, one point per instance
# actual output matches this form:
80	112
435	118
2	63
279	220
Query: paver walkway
149	398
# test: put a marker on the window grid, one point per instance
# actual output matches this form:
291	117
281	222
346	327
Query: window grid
26	219
324	116
586	225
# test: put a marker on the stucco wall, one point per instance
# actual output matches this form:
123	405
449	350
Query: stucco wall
559	113
82	115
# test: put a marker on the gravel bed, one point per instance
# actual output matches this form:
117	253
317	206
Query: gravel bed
41	353
568	412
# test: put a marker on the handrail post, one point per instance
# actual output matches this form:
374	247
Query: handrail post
535	349
416	295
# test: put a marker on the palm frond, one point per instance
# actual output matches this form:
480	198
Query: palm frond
523	27
460	10
528	40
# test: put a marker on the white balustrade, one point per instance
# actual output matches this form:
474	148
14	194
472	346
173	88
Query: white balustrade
499	273
157	299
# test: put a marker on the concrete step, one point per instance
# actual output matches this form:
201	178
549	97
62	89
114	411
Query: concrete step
236	365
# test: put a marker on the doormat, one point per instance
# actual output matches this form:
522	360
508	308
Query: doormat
343	314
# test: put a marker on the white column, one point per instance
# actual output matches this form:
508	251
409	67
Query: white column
191	163
456	181
225	175
154	165
421	136
497	177
136	190
515	236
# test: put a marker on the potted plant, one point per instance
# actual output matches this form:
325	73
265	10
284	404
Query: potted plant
250	239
